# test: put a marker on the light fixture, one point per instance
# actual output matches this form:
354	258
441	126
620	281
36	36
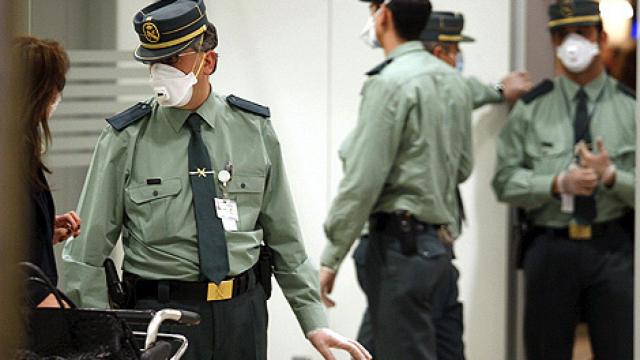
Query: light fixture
615	10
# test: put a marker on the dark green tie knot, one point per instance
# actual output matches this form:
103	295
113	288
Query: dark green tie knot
195	122
581	94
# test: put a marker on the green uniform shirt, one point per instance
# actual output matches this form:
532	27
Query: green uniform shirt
481	93
538	141
410	148
157	222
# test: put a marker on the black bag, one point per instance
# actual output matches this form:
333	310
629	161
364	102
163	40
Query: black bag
72	333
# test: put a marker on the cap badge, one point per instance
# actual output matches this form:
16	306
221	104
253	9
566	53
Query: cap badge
151	33
566	8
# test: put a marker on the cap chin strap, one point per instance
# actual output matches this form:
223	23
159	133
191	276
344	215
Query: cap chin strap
201	61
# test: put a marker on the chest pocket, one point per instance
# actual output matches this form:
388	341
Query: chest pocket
248	192
625	157
141	194
548	154
151	207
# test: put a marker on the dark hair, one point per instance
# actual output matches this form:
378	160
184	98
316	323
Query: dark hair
430	46
410	17
208	42
43	64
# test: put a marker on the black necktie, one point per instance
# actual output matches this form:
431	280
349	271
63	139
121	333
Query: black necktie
585	206
212	245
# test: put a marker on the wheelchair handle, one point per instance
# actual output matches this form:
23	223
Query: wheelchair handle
180	316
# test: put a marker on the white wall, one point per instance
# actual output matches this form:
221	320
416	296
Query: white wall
482	249
303	58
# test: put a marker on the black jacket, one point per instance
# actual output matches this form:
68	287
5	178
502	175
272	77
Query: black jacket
40	250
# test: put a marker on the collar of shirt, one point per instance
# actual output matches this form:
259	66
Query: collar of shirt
592	89
408	47
177	117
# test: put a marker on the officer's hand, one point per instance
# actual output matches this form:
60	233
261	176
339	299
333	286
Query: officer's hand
599	162
325	339
65	226
579	181
515	85
327	279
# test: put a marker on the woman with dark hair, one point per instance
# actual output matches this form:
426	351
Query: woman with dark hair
44	65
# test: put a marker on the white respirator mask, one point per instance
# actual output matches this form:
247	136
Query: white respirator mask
576	53
368	34
459	63
172	87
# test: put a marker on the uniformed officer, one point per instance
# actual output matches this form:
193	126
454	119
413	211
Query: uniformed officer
195	183
442	38
402	164
567	156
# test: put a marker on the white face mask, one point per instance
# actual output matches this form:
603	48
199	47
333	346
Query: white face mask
171	86
368	34
459	62
576	53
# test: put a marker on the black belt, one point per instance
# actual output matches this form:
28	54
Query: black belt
166	290
402	228
399	222
598	230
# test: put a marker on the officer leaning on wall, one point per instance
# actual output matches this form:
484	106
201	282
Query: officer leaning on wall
567	156
442	38
195	184
402	163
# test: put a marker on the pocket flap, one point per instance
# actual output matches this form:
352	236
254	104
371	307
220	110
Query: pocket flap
141	194
624	150
247	184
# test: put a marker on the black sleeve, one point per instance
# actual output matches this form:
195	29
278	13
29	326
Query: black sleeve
40	247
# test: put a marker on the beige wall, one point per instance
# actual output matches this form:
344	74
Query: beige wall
482	249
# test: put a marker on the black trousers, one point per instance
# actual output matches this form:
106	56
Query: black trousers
569	280
400	292
234	329
447	311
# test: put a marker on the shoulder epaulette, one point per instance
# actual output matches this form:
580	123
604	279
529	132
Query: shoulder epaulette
248	106
626	90
376	70
131	115
544	87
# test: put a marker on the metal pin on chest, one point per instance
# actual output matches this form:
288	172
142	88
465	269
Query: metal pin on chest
201	172
224	176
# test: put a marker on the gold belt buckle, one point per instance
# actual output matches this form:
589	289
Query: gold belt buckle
579	231
224	291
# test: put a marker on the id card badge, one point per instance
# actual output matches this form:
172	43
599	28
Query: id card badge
227	211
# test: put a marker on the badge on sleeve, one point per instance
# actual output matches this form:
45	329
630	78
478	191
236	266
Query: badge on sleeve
227	211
